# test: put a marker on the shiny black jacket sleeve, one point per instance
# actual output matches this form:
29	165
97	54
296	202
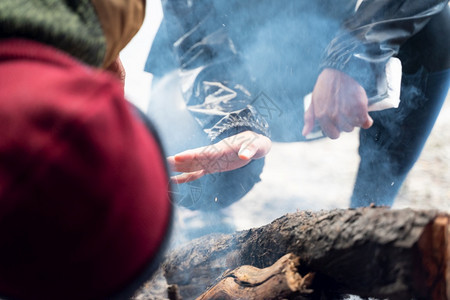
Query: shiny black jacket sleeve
374	34
216	86
214	81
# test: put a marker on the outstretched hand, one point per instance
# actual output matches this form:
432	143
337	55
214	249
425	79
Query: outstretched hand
229	154
339	103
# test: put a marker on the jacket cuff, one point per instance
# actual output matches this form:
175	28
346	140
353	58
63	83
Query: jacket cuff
238	122
348	55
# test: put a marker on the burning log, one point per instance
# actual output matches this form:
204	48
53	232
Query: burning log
371	252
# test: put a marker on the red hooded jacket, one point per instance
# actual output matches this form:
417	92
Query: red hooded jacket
84	205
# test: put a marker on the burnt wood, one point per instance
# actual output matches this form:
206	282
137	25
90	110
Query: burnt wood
371	252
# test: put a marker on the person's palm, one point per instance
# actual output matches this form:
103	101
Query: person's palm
229	154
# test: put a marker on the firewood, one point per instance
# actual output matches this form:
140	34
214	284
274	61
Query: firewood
279	281
371	252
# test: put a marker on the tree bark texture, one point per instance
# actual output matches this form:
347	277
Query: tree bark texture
371	252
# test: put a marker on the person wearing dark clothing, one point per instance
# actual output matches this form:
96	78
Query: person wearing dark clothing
389	149
245	67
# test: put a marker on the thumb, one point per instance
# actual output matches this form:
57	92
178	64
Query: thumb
309	121
247	151
368	123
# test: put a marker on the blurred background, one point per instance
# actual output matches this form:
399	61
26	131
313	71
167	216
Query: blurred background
303	176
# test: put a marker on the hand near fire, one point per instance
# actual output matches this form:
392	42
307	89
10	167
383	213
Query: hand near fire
339	103
229	154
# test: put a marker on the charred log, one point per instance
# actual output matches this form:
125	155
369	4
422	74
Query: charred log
371	252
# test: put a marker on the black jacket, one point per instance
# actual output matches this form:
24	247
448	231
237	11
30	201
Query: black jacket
248	64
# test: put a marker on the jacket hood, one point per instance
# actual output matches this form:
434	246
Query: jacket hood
93	31
120	20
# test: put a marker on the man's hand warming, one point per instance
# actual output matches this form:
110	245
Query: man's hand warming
229	154
339	103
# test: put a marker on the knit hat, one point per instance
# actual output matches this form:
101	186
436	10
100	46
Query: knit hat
84	206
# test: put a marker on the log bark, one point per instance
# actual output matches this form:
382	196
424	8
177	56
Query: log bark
371	252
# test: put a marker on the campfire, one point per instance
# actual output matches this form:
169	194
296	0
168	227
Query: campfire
370	252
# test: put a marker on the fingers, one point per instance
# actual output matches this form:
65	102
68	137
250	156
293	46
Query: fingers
367	123
187	155
258	147
193	160
229	154
345	126
183	163
309	121
363	120
255	149
332	129
329	128
248	151
190	165
187	177
332	124
340	104
171	162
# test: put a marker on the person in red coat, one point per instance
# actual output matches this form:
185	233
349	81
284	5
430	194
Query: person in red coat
85	211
